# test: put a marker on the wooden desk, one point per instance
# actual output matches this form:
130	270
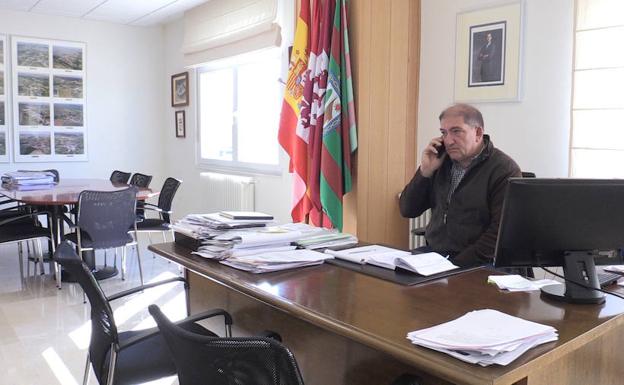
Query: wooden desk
349	328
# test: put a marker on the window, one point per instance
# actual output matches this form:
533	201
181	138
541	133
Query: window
239	108
597	145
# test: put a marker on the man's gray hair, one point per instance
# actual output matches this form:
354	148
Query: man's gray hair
470	114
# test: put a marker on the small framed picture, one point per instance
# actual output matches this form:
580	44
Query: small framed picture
180	124
180	89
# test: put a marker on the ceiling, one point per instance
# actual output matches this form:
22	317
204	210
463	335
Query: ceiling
130	12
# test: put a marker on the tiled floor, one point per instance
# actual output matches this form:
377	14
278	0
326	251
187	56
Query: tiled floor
44	332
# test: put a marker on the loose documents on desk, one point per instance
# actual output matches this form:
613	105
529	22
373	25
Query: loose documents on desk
253	246
515	282
274	261
424	264
484	337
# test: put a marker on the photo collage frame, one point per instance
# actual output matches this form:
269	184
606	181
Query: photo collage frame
48	100
4	132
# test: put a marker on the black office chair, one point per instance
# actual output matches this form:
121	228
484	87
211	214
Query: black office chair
23	225
120	177
161	224
201	359
103	220
140	180
136	356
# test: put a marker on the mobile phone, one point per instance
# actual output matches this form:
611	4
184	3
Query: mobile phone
441	150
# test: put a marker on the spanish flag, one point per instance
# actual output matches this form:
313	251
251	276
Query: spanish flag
292	136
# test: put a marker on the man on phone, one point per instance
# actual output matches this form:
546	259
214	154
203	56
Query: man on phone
462	179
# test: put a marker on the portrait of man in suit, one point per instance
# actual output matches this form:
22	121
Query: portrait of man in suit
487	49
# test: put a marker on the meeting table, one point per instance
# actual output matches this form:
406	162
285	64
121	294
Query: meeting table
66	192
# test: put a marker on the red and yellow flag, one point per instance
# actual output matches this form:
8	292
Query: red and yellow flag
290	136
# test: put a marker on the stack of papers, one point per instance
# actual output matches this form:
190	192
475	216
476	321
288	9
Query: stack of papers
246	215
615	268
267	262
328	239
241	243
484	337
28	178
515	282
216	221
424	264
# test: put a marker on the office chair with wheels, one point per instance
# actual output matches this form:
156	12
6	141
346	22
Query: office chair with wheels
202	359
136	356
119	177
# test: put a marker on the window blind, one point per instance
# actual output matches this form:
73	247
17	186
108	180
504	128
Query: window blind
224	28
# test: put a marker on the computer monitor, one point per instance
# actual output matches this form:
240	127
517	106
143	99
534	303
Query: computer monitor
562	222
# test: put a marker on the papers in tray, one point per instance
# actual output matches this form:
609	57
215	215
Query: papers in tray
274	261
424	264
484	337
515	282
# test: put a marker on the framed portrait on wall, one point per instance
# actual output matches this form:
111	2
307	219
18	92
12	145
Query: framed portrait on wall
180	124
180	89
488	54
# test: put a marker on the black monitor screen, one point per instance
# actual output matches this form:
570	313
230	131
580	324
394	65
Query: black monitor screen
543	218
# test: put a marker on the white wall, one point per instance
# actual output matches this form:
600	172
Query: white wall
272	192
535	130
125	92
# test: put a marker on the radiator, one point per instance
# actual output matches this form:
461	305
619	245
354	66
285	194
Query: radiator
418	223
228	192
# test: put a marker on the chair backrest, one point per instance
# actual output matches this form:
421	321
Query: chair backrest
140	180
167	193
200	359
103	328
106	216
120	177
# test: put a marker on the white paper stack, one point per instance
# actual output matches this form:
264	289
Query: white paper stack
485	337
274	261
28	178
247	242
328	239
216	221
515	282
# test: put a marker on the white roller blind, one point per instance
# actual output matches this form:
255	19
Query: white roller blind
597	146
224	28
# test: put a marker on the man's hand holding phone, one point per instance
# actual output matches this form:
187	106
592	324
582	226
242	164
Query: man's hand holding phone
432	157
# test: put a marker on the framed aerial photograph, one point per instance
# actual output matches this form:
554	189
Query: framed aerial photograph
48	94
4	124
35	143
69	143
488	54
180	89
180	124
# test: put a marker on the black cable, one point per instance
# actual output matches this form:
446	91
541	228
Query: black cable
581	284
